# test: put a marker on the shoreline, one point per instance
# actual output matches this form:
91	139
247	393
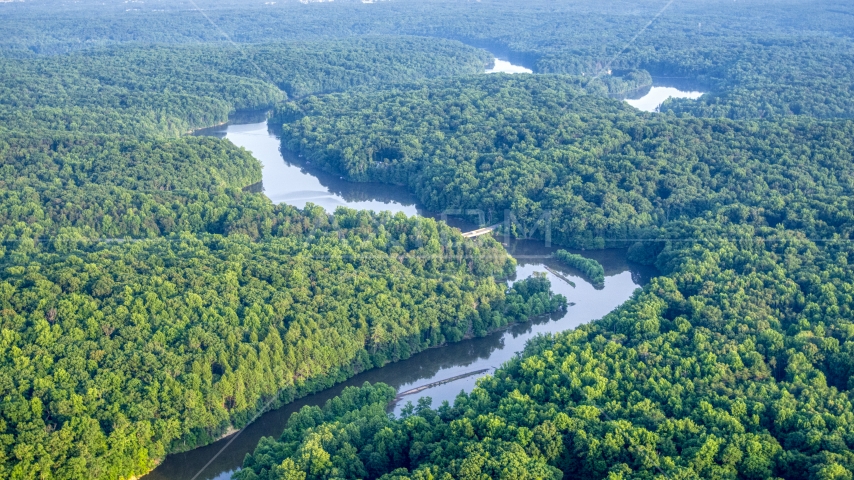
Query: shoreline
231	430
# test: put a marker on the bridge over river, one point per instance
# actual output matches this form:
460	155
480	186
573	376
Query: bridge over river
480	231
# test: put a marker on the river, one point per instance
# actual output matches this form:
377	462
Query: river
621	280
287	178
648	99
504	66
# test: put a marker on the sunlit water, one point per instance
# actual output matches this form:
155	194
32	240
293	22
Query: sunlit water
649	99
586	303
657	95
287	179
503	66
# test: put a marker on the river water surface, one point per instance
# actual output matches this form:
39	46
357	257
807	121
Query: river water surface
650	100
288	179
504	66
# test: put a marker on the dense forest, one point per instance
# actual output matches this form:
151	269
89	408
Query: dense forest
603	171
736	363
119	353
148	304
144	90
758	62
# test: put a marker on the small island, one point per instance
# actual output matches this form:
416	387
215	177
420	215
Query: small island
590	268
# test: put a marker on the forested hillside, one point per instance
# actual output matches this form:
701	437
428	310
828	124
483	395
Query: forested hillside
142	90
148	304
756	61
603	170
736	363
118	353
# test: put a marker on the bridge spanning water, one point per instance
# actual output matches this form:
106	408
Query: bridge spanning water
480	231
439	382
440	373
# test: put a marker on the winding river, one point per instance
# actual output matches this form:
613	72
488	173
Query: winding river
288	179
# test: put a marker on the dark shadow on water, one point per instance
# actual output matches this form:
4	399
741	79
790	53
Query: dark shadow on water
684	84
443	362
349	191
613	260
421	366
240	117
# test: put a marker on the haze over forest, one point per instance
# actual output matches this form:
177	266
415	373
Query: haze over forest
154	300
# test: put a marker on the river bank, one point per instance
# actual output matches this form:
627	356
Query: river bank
287	179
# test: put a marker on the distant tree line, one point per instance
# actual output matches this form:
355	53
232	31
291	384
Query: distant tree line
736	363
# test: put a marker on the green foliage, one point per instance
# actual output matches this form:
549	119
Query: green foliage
169	90
148	303
590	268
602	171
736	363
622	83
162	344
756	60
133	348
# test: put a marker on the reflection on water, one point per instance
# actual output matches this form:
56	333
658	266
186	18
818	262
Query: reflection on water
652	97
286	178
622	279
503	66
285	181
587	303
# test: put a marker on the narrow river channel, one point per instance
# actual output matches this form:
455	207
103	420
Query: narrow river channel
290	180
